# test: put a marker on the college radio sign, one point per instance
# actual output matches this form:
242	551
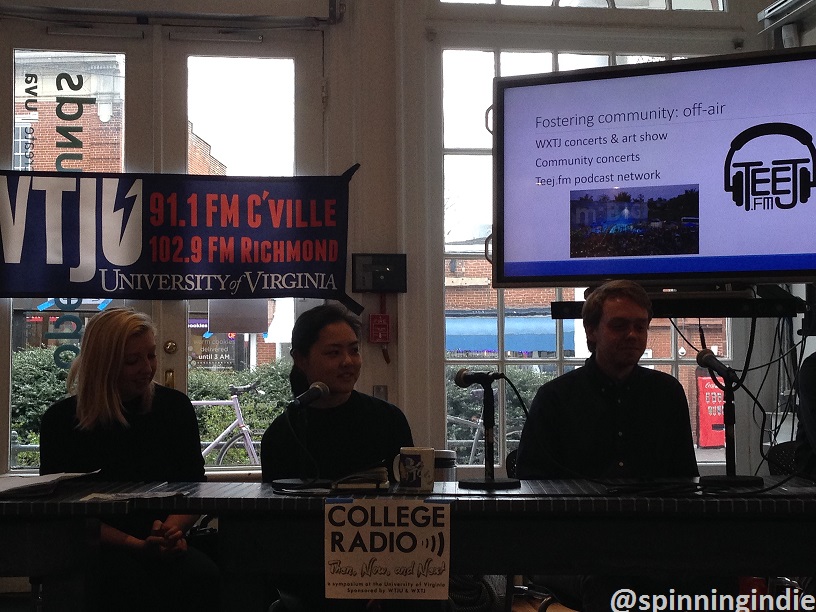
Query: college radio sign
154	236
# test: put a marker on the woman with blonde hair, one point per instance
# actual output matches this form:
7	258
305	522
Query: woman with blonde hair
120	423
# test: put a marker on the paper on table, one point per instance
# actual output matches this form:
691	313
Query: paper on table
156	490
19	484
131	495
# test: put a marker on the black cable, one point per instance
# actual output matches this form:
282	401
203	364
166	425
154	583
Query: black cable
751	339
305	453
786	374
745	369
691	344
764	421
764	455
518	395
757	405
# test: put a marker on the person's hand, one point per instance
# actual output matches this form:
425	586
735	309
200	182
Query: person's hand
165	541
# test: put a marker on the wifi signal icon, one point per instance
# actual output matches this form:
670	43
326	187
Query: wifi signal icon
435	543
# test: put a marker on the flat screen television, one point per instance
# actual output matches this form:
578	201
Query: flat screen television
690	172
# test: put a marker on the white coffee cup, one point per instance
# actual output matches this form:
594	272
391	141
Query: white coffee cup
414	466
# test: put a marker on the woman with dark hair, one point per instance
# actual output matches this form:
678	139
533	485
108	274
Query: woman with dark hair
128	428
343	432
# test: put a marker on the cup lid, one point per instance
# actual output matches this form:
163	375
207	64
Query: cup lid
444	454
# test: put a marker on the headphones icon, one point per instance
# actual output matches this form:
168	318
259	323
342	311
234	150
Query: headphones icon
735	183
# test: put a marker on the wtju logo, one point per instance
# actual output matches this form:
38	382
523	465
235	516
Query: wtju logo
114	210
770	166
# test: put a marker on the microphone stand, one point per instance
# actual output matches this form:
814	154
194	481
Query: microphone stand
489	482
730	479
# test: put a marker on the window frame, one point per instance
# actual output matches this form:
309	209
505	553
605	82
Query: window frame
522	28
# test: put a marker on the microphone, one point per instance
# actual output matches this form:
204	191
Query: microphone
464	378
313	393
707	359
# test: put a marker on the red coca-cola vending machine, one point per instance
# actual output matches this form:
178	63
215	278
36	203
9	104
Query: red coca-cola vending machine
710	400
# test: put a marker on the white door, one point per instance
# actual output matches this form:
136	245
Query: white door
97	97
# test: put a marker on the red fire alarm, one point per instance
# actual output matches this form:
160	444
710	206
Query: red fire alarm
379	328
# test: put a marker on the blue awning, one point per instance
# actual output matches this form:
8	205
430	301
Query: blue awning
521	334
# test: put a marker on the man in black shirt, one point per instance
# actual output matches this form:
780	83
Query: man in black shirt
610	418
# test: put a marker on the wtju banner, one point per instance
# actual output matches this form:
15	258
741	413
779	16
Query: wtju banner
159	236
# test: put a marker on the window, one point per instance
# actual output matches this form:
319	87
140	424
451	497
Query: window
69	110
221	352
212	83
512	330
24	143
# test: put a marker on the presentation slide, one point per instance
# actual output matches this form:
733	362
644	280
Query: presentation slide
705	171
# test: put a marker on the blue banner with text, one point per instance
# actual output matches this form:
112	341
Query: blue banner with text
159	236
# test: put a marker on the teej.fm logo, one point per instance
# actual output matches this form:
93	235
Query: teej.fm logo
770	166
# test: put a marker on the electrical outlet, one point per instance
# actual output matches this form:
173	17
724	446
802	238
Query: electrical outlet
381	391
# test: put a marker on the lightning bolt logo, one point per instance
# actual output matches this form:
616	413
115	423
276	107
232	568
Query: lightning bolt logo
126	205
121	222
